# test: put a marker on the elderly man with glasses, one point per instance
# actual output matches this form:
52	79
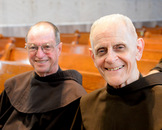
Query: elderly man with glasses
46	98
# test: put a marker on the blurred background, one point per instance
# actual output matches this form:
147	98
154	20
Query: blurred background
16	16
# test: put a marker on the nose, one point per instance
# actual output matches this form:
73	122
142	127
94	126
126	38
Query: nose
111	57
40	52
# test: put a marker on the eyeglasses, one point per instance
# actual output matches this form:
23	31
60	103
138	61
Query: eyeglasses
46	47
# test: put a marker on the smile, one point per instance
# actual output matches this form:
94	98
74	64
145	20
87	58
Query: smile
41	61
113	69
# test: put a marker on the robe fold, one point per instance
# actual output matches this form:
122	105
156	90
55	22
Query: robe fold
30	102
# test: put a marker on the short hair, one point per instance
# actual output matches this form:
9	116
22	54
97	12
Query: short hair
115	19
55	30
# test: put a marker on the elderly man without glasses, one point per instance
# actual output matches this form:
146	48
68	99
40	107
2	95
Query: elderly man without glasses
129	101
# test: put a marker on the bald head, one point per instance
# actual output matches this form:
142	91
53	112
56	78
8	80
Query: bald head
41	26
118	20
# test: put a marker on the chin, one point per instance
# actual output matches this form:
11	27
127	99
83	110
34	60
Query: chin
42	71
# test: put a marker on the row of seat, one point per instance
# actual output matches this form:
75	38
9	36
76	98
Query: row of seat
148	31
13	53
91	78
78	60
73	56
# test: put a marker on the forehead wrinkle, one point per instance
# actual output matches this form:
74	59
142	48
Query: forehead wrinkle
104	38
48	42
109	32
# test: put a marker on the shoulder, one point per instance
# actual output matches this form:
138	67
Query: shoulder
157	92
158	89
20	76
73	87
71	75
71	82
94	96
91	102
154	79
17	80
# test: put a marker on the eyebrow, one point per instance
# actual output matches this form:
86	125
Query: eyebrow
114	44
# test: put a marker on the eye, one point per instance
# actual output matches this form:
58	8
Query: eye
46	47
119	47
101	51
32	47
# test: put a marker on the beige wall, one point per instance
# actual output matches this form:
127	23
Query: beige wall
17	15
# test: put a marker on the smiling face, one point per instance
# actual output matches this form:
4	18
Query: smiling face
43	63
115	51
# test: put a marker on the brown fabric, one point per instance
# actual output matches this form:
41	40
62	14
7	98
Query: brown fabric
134	107
58	119
29	95
30	102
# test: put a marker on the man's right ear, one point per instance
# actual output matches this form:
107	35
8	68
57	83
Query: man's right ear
59	48
92	55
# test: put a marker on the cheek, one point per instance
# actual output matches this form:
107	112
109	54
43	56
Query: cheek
53	57
130	62
31	56
128	57
99	62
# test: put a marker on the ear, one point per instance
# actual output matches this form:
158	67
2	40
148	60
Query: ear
92	56
140	48
59	48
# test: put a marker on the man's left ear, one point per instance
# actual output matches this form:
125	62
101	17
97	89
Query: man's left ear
59	48
140	48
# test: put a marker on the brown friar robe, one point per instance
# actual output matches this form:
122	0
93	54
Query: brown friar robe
137	106
30	102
